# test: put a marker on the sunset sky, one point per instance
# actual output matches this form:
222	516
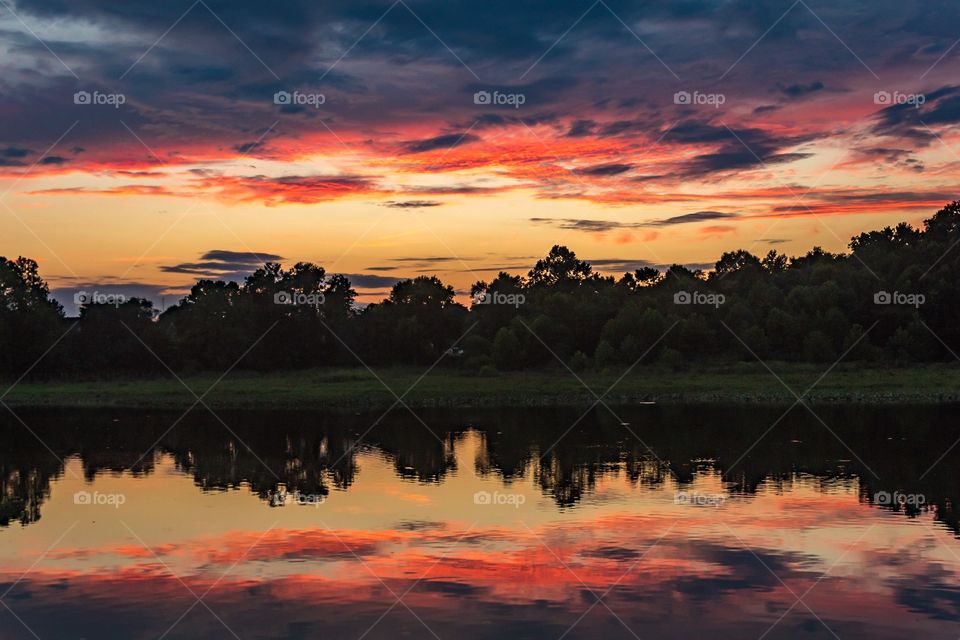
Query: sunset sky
635	133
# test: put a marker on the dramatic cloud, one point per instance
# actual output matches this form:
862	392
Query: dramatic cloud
563	111
412	204
915	116
290	189
697	216
610	225
624	265
613	169
370	281
444	142
799	90
219	263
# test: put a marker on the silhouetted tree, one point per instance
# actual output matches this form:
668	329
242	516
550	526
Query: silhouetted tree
30	322
812	307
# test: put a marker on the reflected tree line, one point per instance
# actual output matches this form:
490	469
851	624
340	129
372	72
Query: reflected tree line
890	450
899	282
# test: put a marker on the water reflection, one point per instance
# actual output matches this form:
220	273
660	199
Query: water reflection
887	451
294	525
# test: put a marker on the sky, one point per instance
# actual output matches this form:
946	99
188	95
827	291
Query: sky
145	145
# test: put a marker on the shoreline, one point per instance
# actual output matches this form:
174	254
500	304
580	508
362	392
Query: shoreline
350	389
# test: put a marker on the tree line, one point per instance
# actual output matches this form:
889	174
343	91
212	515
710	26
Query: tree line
894	297
314	452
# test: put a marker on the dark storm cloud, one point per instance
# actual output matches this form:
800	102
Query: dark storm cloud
492	120
387	67
447	141
895	156
733	159
696	216
412	204
921	197
621	554
218	262
248	147
454	589
455	189
610	169
581	128
369	281
622	265
586	225
739	147
890	154
579	224
622	127
240	257
203	74
800	90
431	260
915	121
766	108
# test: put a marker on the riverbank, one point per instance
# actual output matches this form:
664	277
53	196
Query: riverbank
360	389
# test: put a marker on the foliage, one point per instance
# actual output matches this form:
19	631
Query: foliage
894	297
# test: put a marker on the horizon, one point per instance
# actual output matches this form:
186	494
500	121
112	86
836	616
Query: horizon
67	297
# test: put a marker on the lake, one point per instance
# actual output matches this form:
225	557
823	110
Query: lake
656	522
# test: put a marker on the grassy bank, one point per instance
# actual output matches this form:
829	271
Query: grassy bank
358	388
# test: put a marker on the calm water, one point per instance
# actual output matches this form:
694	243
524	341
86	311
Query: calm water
481	524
